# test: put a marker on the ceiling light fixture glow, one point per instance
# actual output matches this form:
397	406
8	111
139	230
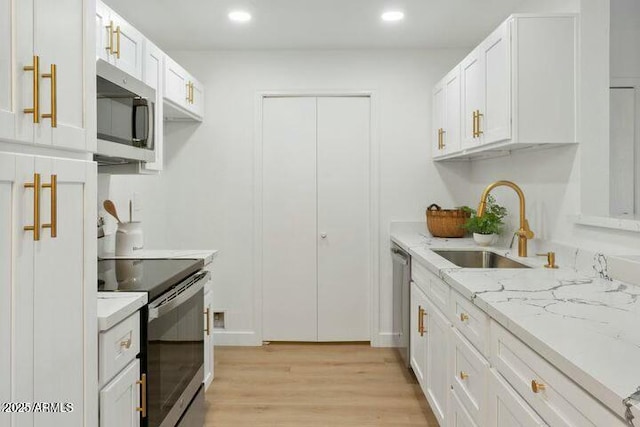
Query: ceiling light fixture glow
392	16
240	16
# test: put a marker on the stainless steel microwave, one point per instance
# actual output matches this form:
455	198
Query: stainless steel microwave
125	109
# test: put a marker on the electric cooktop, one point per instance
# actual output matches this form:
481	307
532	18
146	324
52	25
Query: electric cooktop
154	276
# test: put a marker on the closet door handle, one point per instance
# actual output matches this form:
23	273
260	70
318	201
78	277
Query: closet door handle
53	115
53	225
36	206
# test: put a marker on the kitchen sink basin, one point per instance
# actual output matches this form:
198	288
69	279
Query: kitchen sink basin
479	259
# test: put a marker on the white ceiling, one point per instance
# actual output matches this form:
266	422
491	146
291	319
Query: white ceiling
314	24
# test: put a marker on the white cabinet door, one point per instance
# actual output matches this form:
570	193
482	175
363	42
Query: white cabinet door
153	72
289	220
176	83
472	86
54	355
59	39
418	335
128	44
7	184
439	122
458	415
506	407
197	98
343	140
451	137
438	386
208	339
7	70
495	119
103	31
120	398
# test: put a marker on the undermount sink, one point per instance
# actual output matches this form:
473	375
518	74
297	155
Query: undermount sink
479	259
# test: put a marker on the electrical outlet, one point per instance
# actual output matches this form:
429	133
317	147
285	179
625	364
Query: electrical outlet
218	319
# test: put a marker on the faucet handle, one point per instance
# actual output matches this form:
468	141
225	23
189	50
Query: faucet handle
551	259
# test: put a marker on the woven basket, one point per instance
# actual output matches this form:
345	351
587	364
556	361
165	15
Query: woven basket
446	222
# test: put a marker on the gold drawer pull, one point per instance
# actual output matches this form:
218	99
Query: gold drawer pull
464	317
53	225
475	124
109	48
126	343
53	115
537	386
191	93
35	68
207	314
463	375
117	52
421	313
143	395
36	206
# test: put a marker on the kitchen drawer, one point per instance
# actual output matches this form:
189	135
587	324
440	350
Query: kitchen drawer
435	288
507	408
468	375
558	400
118	346
471	321
458	415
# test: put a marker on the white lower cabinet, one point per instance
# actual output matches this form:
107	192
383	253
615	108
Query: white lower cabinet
507	408
120	399
468	376
208	336
458	415
418	339
438	385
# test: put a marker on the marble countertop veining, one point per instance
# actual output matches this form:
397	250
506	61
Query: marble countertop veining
114	307
582	321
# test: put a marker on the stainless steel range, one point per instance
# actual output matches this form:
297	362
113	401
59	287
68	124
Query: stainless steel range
172	348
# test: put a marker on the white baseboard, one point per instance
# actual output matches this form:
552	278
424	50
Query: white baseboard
236	338
384	339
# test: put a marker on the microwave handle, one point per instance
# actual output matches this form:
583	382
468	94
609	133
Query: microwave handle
140	103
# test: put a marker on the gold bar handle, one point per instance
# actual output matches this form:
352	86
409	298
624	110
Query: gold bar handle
478	130
143	395
207	313
53	115
474	124
118	32
53	225
36	206
109	48
442	144
192	99
189	92
420	309
35	68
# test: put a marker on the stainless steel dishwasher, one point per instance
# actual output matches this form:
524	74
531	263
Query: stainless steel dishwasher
401	288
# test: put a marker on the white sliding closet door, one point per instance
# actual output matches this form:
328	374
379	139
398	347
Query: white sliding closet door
289	237
343	218
315	218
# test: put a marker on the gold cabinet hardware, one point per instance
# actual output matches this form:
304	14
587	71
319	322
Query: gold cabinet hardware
118	32
421	313
537	386
143	395
126	343
207	314
474	132
478	130
442	144
191	93
463	375
109	28
188	86
53	225
35	68
551	259
464	317
53	115
36	206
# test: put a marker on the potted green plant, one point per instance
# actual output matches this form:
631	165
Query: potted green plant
487	227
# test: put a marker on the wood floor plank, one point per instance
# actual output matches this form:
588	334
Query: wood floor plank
291	385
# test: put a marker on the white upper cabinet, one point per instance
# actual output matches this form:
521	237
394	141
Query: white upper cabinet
515	90
446	108
183	94
44	63
118	42
153	72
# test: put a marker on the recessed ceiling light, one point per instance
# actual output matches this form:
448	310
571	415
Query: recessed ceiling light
392	16
240	16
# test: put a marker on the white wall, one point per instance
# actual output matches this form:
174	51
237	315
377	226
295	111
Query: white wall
625	38
204	198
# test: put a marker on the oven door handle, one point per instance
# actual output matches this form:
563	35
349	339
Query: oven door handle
187	294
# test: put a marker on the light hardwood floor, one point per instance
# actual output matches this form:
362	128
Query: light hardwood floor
309	385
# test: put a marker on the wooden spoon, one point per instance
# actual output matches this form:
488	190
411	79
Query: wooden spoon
111	209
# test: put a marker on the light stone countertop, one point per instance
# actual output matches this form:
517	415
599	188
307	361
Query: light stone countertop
207	255
582	321
114	307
